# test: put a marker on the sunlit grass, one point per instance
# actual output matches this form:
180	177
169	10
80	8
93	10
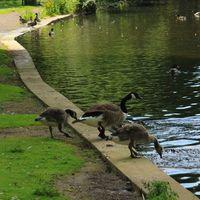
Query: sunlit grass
12	93
17	9
30	164
17	120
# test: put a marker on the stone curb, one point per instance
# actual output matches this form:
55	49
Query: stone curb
138	171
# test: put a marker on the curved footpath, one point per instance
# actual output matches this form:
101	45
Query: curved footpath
138	171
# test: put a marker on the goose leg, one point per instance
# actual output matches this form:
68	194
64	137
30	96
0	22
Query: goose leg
60	129
50	129
102	132
134	153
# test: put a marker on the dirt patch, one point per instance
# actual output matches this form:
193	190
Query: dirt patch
96	182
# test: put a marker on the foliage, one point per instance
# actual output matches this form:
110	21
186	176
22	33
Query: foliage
17	120
12	93
159	190
29	166
54	7
10	3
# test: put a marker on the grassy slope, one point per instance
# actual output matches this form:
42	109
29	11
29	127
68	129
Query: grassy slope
28	166
17	120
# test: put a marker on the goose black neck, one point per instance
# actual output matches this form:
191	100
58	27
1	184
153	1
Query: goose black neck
123	103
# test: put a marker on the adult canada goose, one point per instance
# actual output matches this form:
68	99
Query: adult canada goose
34	23
56	117
136	134
107	115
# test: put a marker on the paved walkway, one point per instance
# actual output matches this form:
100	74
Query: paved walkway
139	171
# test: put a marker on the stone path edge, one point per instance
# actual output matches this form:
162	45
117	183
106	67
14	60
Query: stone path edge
138	171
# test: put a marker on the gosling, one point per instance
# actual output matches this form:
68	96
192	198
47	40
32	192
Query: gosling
56	117
136	134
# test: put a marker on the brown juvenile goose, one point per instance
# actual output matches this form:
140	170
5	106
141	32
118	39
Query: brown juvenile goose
56	117
107	115
137	134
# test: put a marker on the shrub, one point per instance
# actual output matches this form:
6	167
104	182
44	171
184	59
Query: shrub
159	190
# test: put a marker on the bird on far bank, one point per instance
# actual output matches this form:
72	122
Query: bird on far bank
37	17
56	117
135	134
22	20
34	23
107	115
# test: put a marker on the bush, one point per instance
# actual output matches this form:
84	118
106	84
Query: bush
56	7
159	190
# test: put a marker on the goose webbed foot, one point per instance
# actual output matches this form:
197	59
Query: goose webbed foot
102	133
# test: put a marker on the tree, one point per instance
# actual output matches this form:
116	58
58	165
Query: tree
29	2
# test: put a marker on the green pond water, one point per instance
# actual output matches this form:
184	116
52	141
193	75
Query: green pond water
103	57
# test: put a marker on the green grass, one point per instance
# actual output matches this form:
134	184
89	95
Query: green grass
4	57
29	165
12	93
17	120
5	71
17	9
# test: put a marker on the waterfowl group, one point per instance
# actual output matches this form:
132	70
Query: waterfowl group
107	115
32	22
56	117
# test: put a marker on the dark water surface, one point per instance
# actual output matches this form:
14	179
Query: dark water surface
103	57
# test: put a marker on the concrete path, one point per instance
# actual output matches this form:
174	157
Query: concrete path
139	171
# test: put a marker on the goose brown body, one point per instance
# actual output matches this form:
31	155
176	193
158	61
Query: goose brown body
111	114
137	134
56	117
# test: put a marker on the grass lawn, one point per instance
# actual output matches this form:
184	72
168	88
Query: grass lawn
18	120
12	93
30	164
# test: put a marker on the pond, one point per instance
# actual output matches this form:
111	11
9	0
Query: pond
96	58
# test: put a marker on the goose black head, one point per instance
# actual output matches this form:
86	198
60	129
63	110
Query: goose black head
72	113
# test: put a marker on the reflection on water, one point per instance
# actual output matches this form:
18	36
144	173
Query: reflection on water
189	178
103	57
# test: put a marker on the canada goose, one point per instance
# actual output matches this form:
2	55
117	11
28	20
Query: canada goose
107	115
37	18
22	20
174	70
197	14
136	134
34	23
56	117
51	33
181	18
